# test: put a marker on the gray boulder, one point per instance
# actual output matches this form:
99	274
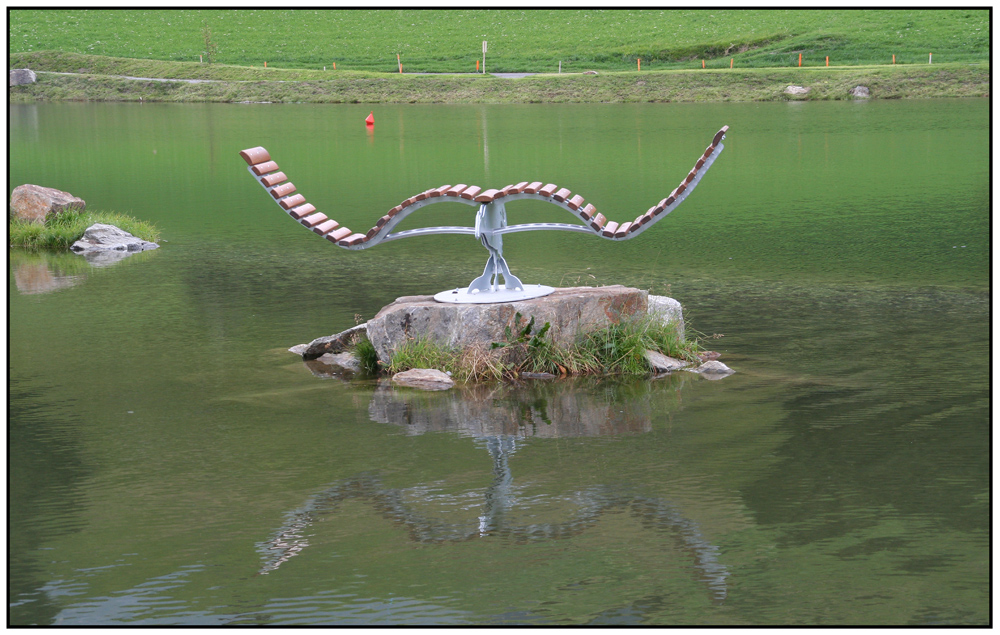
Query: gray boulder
797	90
661	363
860	92
19	76
424	379
337	343
713	369
102	238
334	365
36	203
669	310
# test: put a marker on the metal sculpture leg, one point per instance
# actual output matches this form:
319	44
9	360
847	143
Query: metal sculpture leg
496	266
486	288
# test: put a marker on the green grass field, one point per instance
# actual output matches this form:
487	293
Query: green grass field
442	40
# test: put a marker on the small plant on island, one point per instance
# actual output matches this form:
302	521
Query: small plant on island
59	231
364	350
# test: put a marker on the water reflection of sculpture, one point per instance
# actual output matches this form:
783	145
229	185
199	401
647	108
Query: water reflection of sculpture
501	419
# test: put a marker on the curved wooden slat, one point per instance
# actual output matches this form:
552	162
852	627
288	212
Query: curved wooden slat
253	156
301	211
263	168
273	179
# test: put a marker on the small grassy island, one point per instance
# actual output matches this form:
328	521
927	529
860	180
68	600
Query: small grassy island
618	349
59	231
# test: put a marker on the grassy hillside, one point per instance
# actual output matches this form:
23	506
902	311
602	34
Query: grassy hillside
443	40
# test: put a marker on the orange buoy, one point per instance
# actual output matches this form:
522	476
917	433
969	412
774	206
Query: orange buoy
370	119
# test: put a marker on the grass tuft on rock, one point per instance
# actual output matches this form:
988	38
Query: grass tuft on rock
62	230
365	351
620	348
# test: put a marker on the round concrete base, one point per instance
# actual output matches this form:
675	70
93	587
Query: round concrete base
462	295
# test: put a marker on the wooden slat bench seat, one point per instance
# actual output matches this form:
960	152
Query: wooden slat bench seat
285	193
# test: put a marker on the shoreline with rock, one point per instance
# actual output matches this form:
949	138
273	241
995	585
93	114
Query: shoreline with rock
45	82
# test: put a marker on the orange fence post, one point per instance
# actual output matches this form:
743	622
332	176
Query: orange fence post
800	60
731	61
893	58
638	64
477	66
703	63
827	60
334	66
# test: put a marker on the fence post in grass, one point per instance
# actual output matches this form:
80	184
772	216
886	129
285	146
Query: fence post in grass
200	60
731	62
893	58
827	60
703	63
484	57
265	64
930	58
334	66
800	60
560	66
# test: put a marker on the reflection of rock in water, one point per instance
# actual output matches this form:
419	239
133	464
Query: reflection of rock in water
105	258
45	272
589	505
502	417
36	277
539	409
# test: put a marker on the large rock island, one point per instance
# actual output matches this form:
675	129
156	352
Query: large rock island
570	312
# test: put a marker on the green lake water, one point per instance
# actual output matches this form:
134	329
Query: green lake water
171	463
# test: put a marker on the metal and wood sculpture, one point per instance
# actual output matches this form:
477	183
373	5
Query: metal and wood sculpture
491	220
